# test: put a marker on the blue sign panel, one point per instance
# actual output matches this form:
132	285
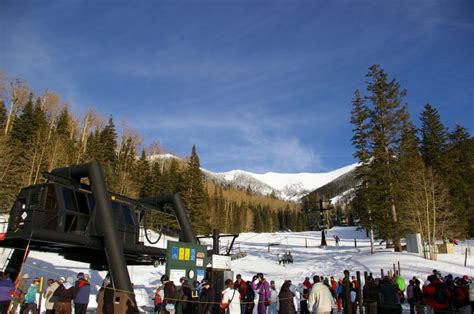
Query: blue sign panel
174	253
193	255
200	274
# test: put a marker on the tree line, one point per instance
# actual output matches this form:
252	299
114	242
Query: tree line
39	133
409	179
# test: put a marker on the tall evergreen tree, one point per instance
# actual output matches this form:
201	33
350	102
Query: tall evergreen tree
143	175
108	154
194	194
377	139
25	126
459	164
172	180
434	138
108	142
63	124
157	186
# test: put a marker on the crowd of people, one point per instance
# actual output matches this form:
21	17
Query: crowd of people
322	294
319	294
61	295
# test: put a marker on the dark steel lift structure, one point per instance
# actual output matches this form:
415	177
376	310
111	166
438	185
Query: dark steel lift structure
86	223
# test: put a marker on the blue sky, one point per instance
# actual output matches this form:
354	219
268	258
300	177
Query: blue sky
255	85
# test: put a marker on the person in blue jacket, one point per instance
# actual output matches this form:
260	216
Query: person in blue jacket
82	290
30	297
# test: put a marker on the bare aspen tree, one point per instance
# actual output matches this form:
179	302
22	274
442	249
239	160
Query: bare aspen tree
427	199
19	95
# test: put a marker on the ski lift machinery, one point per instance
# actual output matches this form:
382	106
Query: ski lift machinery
86	223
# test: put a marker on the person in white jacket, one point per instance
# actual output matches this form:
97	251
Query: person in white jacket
230	298
320	299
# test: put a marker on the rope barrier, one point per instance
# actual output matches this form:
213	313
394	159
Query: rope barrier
191	301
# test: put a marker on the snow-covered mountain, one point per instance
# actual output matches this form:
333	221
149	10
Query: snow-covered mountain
288	186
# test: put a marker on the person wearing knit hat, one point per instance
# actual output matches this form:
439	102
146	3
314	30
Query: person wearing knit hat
22	289
65	293
82	290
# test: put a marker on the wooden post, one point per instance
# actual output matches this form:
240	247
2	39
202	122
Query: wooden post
394	270
355	242
381	273
359	292
305	242
399	272
465	258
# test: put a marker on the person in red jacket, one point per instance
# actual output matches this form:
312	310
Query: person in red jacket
241	286
438	294
461	296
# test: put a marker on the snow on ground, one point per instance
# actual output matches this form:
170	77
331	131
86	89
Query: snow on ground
309	260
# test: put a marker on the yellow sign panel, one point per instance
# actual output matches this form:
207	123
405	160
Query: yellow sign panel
187	253
181	254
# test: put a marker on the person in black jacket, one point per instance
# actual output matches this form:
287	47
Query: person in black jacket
185	295
285	298
108	295
65	294
389	300
206	298
371	295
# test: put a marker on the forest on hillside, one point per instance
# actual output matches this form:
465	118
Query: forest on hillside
38	133
410	180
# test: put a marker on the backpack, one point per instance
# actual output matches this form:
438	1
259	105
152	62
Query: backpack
441	296
157	297
250	295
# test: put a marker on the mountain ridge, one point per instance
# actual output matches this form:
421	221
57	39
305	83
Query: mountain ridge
286	186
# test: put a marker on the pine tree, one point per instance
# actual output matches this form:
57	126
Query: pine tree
108	154
62	126
409	162
172	180
433	138
194	194
143	176
360	119
93	147
25	125
360	115
108	142
377	139
157	186
459	164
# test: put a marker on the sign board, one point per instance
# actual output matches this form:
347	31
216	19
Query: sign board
221	262
185	260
